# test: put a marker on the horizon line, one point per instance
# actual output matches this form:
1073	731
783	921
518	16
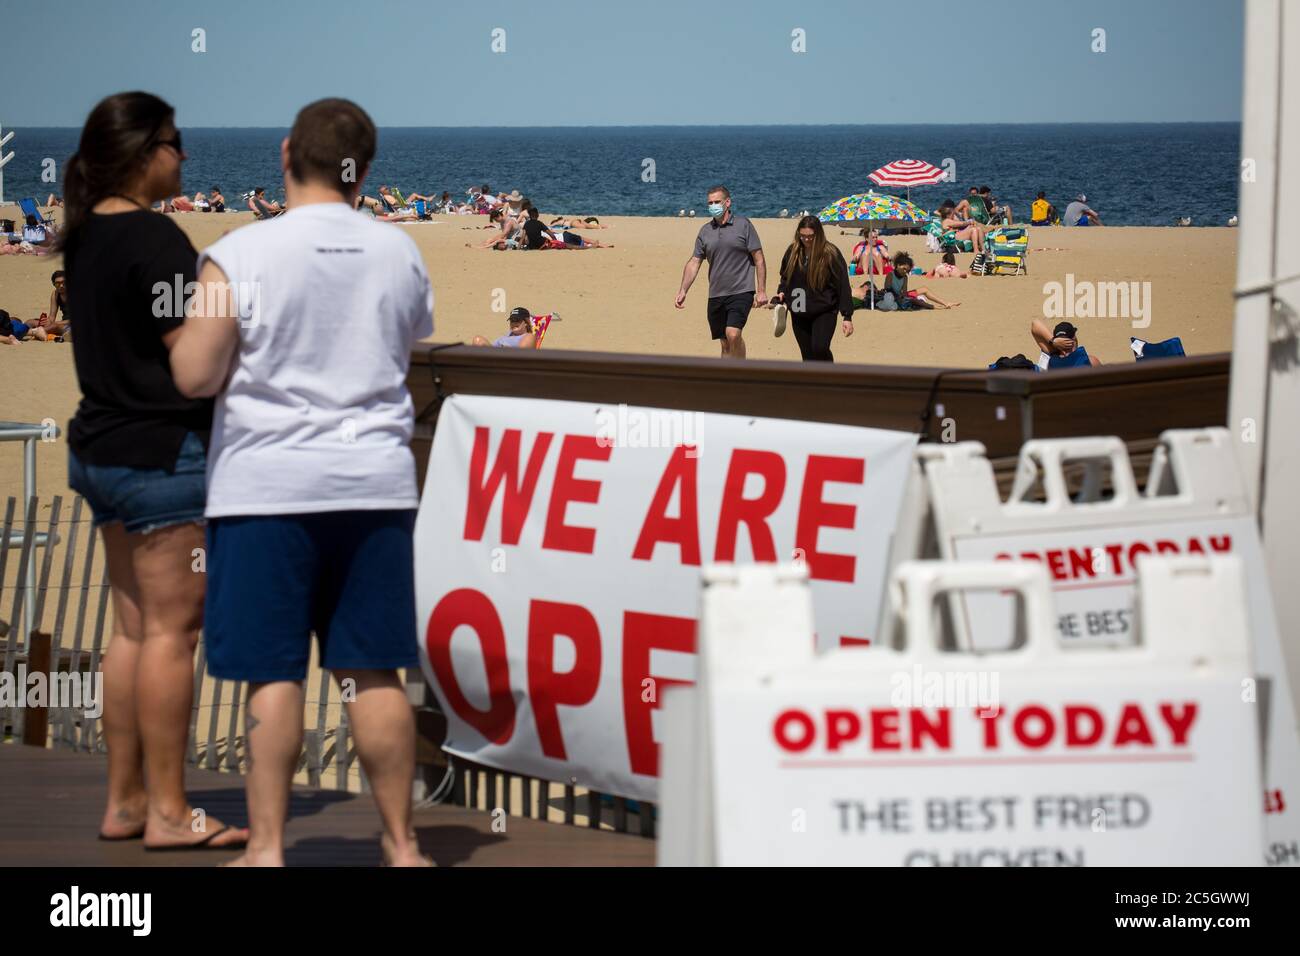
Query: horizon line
1197	122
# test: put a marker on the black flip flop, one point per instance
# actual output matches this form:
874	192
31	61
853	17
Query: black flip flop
204	844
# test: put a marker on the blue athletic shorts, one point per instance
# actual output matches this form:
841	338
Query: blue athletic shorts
349	576
144	499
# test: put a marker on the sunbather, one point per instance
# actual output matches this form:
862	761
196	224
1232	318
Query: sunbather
53	201
262	207
897	295
218	201
877	261
1058	343
519	336
506	232
962	231
947	269
577	222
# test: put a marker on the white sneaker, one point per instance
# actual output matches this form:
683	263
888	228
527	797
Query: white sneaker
779	313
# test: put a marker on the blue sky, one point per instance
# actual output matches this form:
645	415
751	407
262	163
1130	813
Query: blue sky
631	62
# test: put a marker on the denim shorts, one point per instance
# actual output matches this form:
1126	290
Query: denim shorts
145	499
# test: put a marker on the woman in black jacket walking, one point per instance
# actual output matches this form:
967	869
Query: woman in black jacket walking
814	287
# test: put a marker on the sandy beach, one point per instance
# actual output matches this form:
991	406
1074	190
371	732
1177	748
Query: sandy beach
621	300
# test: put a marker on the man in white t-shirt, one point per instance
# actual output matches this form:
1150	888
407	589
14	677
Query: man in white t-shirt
303	328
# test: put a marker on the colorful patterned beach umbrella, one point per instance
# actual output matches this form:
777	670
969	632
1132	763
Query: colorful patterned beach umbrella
906	173
876	209
879	208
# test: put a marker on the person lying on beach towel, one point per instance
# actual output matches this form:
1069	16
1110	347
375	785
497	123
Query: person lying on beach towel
947	269
13	331
575	222
1060	343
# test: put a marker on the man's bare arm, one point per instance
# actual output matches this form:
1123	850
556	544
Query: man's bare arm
202	348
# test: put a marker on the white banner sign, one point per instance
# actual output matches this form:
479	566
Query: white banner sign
558	556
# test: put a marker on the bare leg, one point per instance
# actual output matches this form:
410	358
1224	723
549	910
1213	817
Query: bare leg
273	741
124	815
170	598
735	344
384	728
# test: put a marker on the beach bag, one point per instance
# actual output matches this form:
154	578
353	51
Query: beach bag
1017	361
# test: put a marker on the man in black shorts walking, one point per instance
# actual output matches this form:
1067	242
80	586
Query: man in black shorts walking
730	244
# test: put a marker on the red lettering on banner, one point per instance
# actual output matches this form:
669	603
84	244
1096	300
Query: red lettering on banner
1075	735
1031	727
841	725
1056	565
939	730
548	688
1081	563
1133	727
816	513
752	512
1046	726
518	494
1179	724
1078	563
470	608
884	730
990	726
643	633
794	730
684	530
567	488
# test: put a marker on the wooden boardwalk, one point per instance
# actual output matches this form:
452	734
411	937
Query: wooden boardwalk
51	803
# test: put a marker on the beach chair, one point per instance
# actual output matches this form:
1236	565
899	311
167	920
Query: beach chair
1008	251
30	208
1169	348
978	211
1076	359
938	239
541	323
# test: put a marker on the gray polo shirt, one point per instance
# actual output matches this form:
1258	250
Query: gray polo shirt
727	249
1074	212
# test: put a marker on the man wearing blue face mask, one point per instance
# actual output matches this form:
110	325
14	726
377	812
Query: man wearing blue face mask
731	246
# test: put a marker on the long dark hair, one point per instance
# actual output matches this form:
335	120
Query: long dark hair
116	137
821	255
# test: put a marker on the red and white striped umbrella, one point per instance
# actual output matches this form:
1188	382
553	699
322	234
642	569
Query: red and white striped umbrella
906	173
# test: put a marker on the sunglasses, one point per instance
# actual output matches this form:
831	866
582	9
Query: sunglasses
174	142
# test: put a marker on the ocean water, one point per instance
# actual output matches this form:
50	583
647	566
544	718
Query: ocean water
1133	174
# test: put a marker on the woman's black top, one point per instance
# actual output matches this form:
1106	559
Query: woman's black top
126	280
835	295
